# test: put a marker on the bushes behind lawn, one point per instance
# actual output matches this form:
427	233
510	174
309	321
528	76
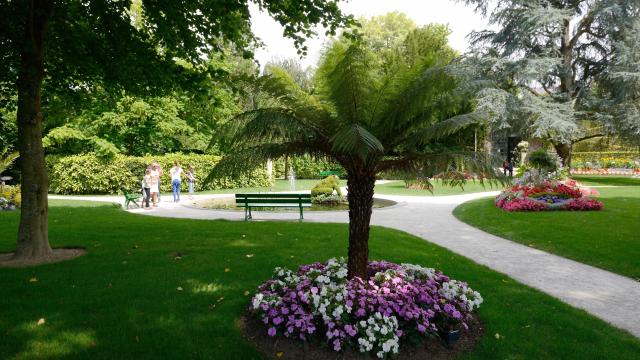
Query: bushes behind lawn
89	174
306	167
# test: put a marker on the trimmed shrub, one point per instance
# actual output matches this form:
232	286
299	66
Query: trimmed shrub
327	186
89	174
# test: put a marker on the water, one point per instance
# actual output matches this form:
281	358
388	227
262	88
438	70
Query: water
292	179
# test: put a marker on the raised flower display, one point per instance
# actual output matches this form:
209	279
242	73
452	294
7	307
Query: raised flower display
374	315
548	195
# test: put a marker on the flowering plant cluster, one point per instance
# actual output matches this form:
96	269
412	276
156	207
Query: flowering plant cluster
373	315
548	195
10	197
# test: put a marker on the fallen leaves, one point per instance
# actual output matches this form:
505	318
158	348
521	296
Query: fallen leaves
40	322
179	288
33	279
227	270
249	256
279	354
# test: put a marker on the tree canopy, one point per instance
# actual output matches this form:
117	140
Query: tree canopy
71	48
553	54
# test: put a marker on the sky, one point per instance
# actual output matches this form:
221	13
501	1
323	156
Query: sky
460	18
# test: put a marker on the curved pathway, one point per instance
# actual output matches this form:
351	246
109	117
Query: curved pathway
611	297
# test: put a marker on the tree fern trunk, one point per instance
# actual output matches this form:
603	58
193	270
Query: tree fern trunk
33	241
360	195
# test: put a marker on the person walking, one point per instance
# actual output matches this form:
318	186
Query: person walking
146	186
510	168
505	167
191	180
176	173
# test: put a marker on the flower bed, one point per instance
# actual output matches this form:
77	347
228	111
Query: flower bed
396	303
10	197
550	195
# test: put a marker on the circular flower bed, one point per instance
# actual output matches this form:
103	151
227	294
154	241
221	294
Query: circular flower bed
396	303
549	195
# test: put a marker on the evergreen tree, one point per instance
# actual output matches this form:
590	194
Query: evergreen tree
555	51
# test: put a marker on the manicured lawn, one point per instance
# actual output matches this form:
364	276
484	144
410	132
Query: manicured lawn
596	180
397	188
121	300
608	239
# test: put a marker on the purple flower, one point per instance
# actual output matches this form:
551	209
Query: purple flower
271	331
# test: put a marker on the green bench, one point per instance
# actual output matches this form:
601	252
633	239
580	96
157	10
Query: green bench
130	197
324	174
272	200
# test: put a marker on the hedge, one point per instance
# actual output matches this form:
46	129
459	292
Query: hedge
89	174
306	167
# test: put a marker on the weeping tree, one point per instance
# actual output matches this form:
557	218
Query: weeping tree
366	119
555	51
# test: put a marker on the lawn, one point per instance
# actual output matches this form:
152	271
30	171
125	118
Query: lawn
122	300
599	180
397	187
607	239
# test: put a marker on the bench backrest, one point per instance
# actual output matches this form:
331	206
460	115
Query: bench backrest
273	198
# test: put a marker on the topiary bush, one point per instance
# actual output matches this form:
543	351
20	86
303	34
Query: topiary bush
542	161
327	186
90	174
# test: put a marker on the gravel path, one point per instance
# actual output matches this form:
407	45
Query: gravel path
611	297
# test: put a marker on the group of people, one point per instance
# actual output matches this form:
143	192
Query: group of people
507	167
151	183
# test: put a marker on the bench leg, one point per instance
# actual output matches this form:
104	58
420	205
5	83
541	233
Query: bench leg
126	204
250	214
301	216
246	213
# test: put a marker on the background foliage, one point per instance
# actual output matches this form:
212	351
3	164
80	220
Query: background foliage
90	174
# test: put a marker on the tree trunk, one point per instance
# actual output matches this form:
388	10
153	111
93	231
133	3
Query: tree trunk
360	195
564	151
33	241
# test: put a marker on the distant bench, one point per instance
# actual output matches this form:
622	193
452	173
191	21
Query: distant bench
271	200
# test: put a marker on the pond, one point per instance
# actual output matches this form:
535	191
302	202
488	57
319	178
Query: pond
229	203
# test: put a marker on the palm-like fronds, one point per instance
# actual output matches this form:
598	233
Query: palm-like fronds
6	159
402	122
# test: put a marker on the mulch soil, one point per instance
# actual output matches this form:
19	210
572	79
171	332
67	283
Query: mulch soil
279	347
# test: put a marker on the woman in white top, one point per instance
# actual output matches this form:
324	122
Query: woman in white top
176	172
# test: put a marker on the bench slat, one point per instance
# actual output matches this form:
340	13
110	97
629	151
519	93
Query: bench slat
274	201
274	196
266	205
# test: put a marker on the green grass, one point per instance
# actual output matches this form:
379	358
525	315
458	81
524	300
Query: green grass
120	301
607	239
597	180
397	188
